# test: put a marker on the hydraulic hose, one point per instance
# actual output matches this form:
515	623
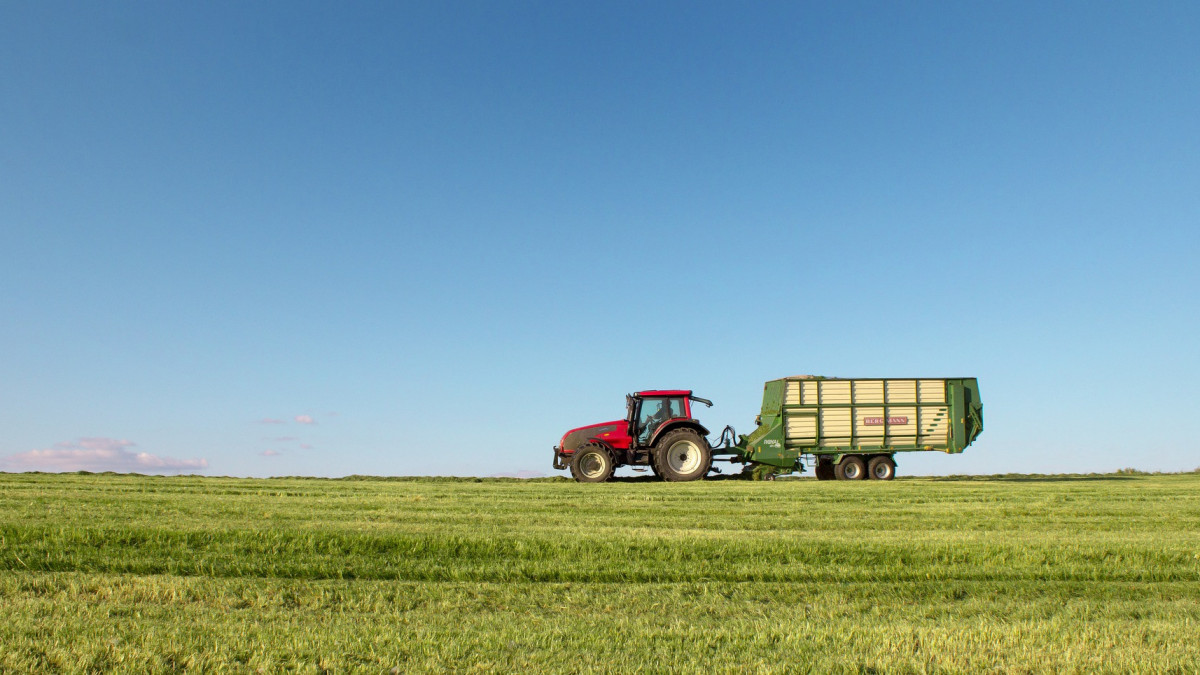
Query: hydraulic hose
727	439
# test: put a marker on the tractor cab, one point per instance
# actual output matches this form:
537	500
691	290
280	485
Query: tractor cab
647	411
654	421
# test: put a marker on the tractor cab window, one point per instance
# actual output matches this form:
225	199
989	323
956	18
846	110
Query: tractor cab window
676	405
654	412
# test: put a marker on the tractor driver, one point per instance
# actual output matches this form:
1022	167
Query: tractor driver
654	413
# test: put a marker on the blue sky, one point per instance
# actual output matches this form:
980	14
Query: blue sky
427	238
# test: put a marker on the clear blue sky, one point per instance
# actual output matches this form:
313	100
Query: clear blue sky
446	232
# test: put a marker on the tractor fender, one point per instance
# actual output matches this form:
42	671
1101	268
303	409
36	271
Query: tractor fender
563	455
620	457
671	425
600	441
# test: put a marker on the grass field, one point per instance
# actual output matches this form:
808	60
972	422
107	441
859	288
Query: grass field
1015	574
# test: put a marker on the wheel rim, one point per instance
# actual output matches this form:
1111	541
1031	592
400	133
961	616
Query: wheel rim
683	457
882	471
591	465
853	471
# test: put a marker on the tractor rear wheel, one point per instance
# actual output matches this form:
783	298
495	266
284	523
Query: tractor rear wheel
681	455
592	463
851	467
881	468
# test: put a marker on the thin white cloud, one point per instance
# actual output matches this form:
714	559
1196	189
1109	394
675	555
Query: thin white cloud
269	453
305	446
270	420
305	419
98	454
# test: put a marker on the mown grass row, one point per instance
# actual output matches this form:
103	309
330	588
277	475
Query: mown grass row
332	554
1096	573
88	622
1129	529
1133	506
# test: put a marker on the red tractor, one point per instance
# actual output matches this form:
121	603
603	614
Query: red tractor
658	431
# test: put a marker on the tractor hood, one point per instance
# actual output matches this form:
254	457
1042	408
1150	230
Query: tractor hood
577	437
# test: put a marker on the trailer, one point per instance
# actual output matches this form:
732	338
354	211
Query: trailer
844	428
851	428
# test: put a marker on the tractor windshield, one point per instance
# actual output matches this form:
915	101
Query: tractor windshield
654	412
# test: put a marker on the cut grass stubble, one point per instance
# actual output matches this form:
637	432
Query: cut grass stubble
1011	574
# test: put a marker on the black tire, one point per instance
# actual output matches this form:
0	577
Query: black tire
881	468
654	469
851	467
592	463
682	455
824	470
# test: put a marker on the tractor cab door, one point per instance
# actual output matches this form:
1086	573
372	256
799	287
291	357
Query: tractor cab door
651	413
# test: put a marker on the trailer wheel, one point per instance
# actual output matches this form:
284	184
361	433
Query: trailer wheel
851	467
592	464
682	455
824	470
881	468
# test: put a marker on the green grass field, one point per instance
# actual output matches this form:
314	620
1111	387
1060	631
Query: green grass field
1013	574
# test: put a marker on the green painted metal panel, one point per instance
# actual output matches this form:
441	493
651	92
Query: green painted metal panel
769	445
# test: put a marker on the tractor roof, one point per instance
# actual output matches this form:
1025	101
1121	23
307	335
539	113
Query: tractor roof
665	392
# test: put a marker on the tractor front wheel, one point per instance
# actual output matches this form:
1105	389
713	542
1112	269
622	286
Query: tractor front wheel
682	455
592	464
